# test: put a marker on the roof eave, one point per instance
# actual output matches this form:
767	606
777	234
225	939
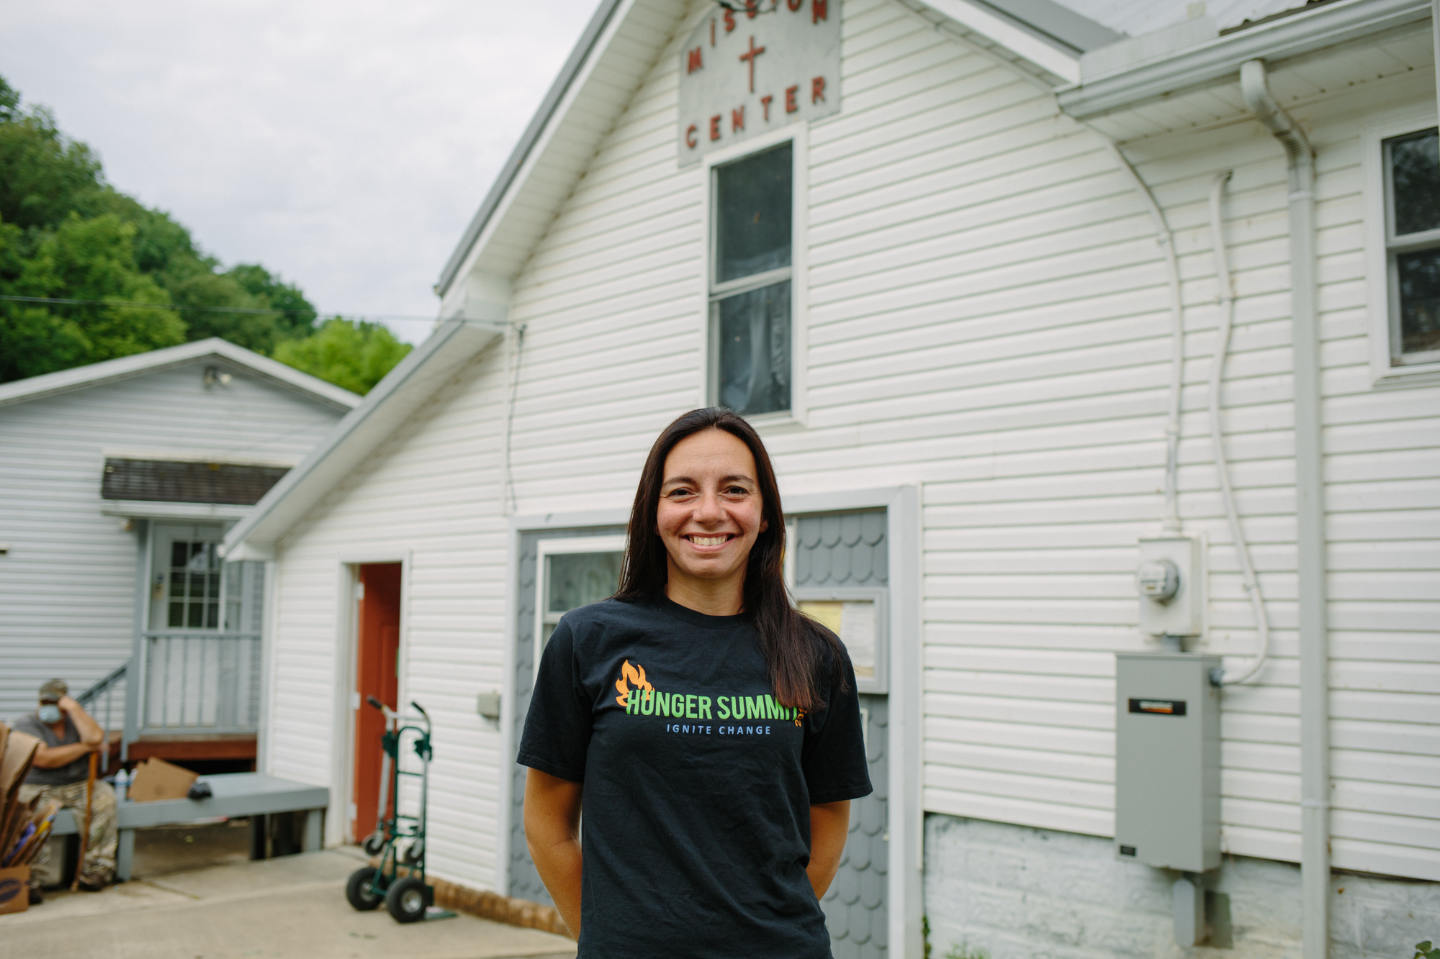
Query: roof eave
528	141
94	374
393	399
1057	55
1305	31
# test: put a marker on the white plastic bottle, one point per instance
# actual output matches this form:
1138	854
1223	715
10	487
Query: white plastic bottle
122	783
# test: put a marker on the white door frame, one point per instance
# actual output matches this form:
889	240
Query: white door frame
347	624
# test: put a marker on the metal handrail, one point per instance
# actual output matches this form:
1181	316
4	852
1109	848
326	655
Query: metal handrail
115	675
96	690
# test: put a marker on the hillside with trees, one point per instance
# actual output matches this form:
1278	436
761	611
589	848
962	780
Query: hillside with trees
88	273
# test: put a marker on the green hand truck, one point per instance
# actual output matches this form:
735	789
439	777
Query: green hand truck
407	898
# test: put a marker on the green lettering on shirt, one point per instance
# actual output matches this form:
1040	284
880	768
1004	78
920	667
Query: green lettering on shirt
704	704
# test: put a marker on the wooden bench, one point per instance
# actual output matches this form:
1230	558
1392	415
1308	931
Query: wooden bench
255	795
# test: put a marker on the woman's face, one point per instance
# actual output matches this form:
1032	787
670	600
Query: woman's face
709	512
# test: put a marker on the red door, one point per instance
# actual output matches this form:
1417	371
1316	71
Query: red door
377	651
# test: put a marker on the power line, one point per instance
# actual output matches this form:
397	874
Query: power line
240	310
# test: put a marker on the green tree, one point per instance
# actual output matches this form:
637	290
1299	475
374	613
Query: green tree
213	304
122	311
9	101
45	175
295	316
66	234
352	355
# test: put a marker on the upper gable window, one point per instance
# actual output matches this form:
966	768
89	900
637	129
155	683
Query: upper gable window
1405	254
751	300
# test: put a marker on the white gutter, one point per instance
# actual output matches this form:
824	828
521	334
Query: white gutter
1309	516
1290	36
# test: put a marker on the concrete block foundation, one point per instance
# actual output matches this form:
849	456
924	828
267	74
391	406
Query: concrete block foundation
1013	892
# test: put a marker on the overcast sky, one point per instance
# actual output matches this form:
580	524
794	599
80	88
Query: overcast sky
344	144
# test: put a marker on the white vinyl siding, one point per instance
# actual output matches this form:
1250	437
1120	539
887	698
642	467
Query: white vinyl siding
68	582
986	316
429	497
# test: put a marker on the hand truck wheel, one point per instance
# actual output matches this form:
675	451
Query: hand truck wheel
406	899
360	889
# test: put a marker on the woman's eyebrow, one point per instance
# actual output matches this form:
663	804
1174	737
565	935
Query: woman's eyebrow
690	480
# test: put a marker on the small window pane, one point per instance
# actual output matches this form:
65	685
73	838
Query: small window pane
1419	301
175	617
575	579
753	221
1415	175
754	345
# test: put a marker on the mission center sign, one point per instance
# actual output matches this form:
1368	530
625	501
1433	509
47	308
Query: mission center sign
753	66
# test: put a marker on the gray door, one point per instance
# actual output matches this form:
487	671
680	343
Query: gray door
839	551
575	573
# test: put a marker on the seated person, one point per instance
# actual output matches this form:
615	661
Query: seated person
67	737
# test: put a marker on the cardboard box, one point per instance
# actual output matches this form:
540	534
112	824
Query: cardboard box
14	889
17	752
157	779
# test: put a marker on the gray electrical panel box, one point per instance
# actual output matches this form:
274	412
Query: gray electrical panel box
1167	760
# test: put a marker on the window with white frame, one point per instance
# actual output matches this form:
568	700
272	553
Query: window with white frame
1410	174
751	264
572	573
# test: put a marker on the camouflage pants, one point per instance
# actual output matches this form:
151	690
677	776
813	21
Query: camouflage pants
99	864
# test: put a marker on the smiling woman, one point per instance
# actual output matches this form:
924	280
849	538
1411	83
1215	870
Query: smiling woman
742	822
708	517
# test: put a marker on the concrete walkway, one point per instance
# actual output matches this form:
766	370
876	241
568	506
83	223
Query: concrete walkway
293	906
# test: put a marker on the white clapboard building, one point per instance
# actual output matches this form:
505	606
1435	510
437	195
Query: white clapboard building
1045	310
117	482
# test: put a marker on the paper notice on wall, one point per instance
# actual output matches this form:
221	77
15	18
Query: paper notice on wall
854	622
858	635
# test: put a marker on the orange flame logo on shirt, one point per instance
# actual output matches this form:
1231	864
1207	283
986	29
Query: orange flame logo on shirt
630	674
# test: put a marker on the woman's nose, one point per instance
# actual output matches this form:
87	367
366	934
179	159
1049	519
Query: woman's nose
708	506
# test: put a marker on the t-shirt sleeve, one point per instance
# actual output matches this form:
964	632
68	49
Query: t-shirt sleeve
557	725
29	725
834	753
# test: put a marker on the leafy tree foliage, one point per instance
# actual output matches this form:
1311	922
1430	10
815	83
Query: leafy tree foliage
137	278
352	355
84	260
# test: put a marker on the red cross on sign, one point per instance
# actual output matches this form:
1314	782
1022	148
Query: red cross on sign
750	55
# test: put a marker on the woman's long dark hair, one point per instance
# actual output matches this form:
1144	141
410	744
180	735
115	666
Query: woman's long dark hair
795	647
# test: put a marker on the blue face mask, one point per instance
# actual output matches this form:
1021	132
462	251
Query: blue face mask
49	713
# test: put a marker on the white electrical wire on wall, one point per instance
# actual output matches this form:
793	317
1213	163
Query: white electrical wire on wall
1166	240
1222	467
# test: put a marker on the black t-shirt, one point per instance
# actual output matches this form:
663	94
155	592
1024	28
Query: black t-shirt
697	782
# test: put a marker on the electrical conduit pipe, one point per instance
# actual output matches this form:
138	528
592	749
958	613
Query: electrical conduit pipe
1309	516
1217	439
